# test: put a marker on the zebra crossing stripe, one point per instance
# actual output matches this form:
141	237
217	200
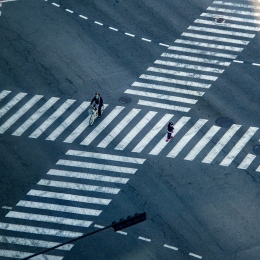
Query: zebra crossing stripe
239	146
108	119
177	127
221	143
223	10
59	130
19	113
52	118
35	116
246	161
186	138
12	103
4	93
137	129
236	5
202	143
119	128
152	133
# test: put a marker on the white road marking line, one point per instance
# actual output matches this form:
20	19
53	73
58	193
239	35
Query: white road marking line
186	138
256	64
39	230
108	119
35	116
214	38
175	81
70	11
233	11
188	66
121	232
51	219
161	96
246	161
129	34
221	143
96	22
7	124
145	239
170	247
68	197
56	4
162	105
112	28
69	120
87	176
162	44
144	39
52	118
238	146
238	61
182	73
162	143
103	167
4	93
5	207
152	133
236	5
98	226
202	143
137	129
11	103
258	169
84	17
119	128
197	256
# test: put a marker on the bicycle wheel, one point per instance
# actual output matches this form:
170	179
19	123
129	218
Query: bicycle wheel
91	119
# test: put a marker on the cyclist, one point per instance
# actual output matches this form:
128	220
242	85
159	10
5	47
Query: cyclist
97	102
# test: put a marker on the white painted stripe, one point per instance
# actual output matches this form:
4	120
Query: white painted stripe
119	128
56	207
186	138
102	167
4	93
203	52
121	232
209	45
68	197
76	113
144	39
170	89
258	169
197	256
136	130
78	186
5	207
145	239
171	247
176	81
112	28
246	161
87	176
12	103
232	11
52	118
70	11
51	219
238	61
177	127
39	230
152	133
56	4
236	5
162	106
96	22
33	242
98	226
221	143
214	38
256	64
162	44
202	143
182	73
239	146
84	17
161	96
188	66
96	132
129	34
195	59
103	156
35	116
19	113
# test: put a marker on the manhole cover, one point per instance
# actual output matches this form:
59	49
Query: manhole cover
256	149
224	122
125	100
220	20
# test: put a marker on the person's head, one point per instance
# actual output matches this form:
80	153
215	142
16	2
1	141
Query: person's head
97	95
171	123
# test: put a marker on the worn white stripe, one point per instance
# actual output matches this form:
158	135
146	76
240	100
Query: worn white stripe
214	38
170	247
129	34
84	17
52	118
145	239
177	127
108	119
202	143
4	93
70	11
258	169
98	226
194	255
246	161
78	186
221	143
121	232
56	4
161	96
162	105
136	130
186	138
19	113
87	176
103	167
112	28
11	103
152	133
239	146
32	119
39	230
119	128
236	5
233	11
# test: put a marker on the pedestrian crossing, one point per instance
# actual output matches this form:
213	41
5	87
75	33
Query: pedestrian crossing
64	203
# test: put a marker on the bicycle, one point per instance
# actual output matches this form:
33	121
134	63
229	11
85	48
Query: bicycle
93	112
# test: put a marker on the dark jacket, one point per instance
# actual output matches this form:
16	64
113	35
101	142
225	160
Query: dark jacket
170	128
98	101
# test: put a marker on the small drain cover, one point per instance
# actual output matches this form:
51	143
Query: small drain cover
220	20
256	149
125	100
224	122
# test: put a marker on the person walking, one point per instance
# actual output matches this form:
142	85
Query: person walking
169	131
98	103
